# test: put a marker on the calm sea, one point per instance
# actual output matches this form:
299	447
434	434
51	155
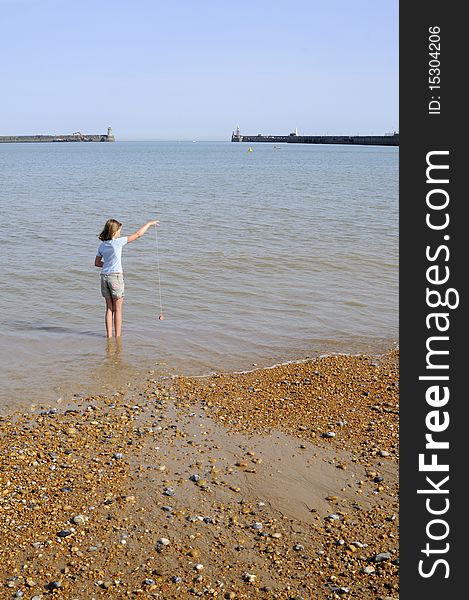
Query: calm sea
265	256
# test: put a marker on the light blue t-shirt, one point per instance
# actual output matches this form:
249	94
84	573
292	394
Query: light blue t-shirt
111	252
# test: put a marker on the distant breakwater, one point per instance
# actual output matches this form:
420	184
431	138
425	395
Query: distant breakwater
74	137
363	140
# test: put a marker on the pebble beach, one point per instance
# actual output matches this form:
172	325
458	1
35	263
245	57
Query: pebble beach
280	482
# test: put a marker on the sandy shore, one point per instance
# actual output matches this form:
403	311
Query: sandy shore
278	483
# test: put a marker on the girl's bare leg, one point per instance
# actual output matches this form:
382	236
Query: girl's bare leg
109	316
118	316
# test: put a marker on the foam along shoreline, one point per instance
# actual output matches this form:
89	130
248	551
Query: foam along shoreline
280	482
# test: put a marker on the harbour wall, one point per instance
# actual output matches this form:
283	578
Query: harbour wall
75	137
366	140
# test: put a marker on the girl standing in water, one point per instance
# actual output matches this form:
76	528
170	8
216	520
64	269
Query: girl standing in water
109	260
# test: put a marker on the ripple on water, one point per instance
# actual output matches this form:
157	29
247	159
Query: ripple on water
262	258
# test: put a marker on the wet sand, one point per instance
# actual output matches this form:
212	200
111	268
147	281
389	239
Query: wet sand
278	483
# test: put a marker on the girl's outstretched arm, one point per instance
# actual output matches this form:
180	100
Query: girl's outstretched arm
141	231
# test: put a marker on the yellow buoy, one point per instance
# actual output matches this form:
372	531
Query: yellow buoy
250	149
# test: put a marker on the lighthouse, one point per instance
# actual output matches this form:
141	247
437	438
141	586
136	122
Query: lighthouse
236	135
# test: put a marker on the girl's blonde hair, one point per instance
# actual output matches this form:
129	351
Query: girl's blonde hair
109	230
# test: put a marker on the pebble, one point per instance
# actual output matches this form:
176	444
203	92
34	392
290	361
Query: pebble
105	584
66	532
163	542
249	577
54	585
368	570
169	491
382	556
78	520
329	434
51	411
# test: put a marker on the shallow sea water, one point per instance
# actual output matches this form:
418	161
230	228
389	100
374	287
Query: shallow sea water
265	256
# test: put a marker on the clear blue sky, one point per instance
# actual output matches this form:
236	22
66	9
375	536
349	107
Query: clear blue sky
195	69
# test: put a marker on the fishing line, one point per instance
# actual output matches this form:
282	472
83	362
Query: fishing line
161	316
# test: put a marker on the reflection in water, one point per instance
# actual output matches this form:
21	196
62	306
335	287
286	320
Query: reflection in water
113	371
114	350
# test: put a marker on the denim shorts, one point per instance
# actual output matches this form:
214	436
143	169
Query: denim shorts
112	285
